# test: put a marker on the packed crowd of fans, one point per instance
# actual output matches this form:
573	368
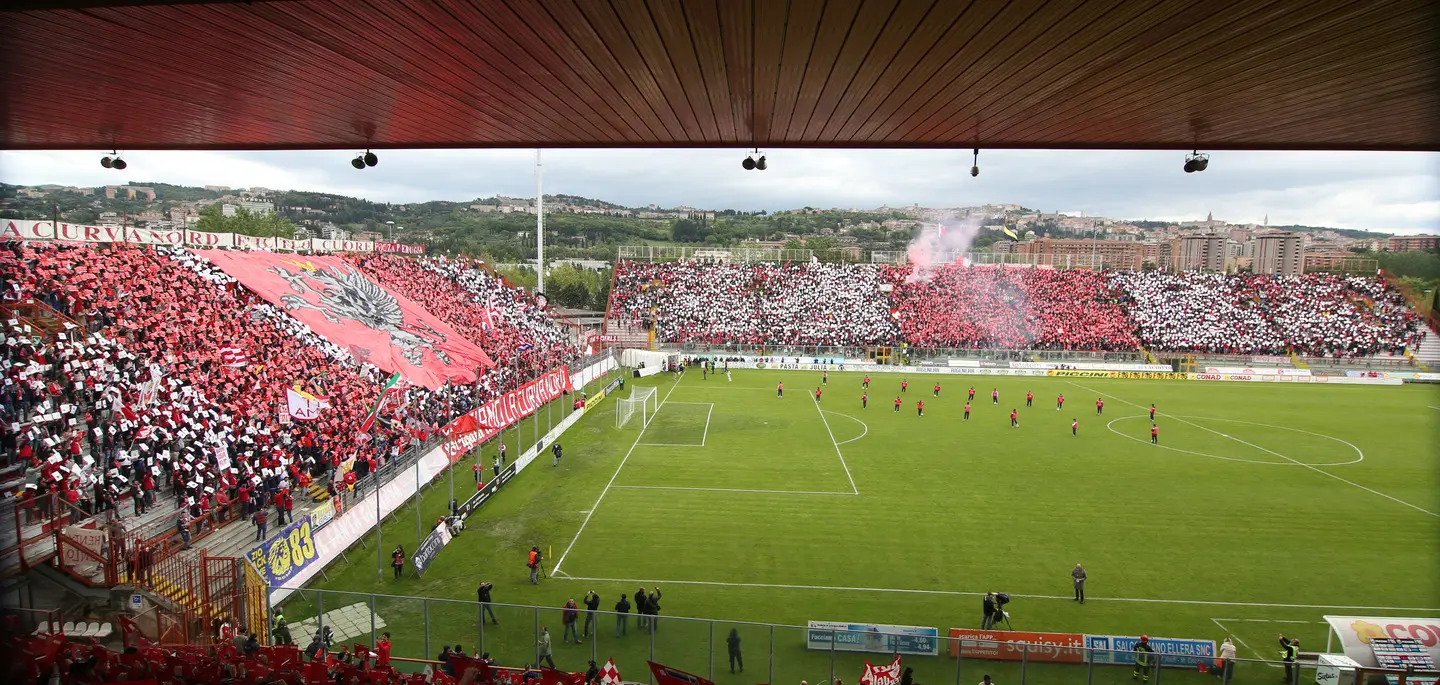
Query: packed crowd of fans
238	657
755	304
956	306
1008	308
522	339
1313	314
168	376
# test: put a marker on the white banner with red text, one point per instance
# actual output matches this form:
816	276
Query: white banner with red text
48	231
484	422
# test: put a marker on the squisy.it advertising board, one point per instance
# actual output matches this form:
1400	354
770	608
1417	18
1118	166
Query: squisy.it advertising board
1016	645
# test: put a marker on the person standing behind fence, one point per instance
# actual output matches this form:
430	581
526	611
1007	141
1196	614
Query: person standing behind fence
622	616
542	648
732	643
652	603
641	612
1144	653
569	616
483	595
1078	576
592	604
1289	652
1227	661
397	560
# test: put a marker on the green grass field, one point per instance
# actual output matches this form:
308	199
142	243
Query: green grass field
1263	508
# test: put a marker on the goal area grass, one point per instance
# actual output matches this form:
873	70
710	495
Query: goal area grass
1262	508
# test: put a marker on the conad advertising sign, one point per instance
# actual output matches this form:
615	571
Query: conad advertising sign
1355	633
1015	645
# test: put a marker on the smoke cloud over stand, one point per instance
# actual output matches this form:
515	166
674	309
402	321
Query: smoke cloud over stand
938	243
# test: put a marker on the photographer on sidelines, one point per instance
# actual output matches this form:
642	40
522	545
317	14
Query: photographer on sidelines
987	606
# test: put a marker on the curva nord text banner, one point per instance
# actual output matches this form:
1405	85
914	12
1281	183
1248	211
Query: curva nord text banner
339	302
43	231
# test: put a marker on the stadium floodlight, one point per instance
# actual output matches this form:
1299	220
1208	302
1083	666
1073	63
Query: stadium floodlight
358	162
975	164
1196	161
749	163
642	401
371	159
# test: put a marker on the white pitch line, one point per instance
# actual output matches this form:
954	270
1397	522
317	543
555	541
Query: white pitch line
1262	449
706	434
962	593
668	444
613	476
864	425
1242	642
836	444
765	492
1269	620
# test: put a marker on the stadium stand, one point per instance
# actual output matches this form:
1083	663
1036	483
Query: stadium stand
1016	308
1315	314
755	304
1009	308
157	358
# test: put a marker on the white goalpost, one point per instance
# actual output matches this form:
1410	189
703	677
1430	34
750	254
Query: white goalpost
642	401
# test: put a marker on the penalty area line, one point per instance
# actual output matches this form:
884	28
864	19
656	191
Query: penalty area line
613	476
963	593
760	492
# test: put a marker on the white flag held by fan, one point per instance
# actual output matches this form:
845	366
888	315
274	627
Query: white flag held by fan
303	406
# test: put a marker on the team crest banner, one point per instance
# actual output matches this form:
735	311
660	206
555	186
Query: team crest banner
342	304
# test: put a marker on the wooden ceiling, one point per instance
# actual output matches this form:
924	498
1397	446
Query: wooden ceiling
351	74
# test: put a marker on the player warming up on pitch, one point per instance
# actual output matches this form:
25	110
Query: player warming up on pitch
780	389
1014	418
904	386
1075	427
967	411
1099	406
865	400
920	408
995	396
817	393
972	394
1060	401
937	390
1154	434
897	406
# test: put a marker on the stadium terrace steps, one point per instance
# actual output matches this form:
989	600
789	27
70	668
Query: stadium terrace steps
1428	351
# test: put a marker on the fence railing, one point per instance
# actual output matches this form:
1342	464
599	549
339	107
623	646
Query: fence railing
419	628
915	354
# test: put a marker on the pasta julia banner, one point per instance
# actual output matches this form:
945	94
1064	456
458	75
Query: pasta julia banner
342	304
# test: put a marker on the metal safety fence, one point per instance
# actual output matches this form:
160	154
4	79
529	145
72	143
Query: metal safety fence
735	652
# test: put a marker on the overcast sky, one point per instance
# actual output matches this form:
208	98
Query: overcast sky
1391	192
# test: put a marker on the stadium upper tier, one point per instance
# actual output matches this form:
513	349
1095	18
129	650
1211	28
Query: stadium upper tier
954	306
168	373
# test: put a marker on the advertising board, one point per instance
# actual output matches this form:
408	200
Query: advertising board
429	548
280	558
1015	645
871	637
1126	375
1176	653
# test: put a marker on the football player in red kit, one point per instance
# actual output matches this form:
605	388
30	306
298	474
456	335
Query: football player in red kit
897	405
920	408
1014	419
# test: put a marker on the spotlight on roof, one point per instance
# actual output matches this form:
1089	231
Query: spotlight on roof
975	165
358	162
749	163
1196	161
106	162
760	163
371	159
118	164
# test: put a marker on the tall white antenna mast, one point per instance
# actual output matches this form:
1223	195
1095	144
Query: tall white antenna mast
539	228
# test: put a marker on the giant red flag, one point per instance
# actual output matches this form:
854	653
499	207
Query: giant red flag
352	311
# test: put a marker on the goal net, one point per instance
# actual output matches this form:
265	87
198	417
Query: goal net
642	403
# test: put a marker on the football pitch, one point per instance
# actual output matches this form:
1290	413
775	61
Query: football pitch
1262	508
